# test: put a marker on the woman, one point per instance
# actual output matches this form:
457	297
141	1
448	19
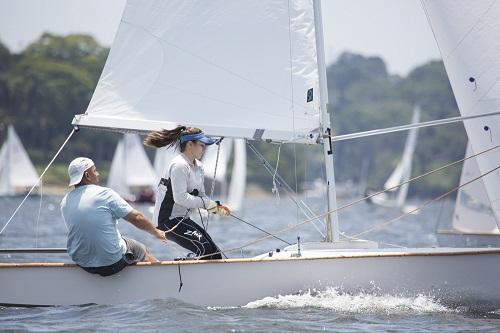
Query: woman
182	189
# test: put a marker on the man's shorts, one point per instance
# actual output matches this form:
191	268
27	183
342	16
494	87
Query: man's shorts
136	251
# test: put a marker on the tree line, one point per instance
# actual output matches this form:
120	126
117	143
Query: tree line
45	85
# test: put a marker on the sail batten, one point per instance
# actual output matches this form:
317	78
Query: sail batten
229	68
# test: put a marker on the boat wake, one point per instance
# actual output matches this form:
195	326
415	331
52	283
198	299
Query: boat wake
333	299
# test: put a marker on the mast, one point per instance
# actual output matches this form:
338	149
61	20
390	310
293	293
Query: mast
332	222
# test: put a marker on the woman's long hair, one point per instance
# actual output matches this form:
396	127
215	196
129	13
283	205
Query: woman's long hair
169	138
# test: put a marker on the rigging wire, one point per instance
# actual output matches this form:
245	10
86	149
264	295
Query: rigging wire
428	202
281	182
39	179
39	211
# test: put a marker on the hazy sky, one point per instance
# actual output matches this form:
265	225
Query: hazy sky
395	30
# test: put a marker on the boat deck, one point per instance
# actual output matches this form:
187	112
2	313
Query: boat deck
306	253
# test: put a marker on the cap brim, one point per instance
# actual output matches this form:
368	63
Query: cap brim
207	140
75	180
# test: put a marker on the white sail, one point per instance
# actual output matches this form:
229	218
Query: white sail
17	173
236	69
238	176
467	33
473	213
130	166
402	172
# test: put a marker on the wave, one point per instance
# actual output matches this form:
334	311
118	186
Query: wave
333	299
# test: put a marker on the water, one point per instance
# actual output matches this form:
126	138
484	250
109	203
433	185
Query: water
312	311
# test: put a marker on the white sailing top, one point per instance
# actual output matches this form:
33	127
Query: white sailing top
186	176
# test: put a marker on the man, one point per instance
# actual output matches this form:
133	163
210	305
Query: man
91	213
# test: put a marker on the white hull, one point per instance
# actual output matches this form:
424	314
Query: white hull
454	276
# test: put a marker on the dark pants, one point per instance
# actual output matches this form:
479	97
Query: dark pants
136	251
191	236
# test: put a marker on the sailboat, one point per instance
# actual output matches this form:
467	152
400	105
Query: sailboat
395	197
17	173
256	71
163	156
131	174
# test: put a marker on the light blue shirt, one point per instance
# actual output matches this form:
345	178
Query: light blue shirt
91	213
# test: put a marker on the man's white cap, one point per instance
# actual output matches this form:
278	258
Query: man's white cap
76	169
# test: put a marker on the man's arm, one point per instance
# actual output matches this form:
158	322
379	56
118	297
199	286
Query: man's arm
140	221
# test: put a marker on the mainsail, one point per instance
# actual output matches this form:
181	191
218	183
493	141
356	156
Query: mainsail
130	167
17	173
245	69
467	33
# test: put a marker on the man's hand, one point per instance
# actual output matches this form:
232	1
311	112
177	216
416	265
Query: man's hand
160	235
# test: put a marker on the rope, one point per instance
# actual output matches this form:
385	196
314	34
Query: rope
275	188
252	225
39	180
212	189
372	195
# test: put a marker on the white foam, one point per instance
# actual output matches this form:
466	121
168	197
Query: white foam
332	299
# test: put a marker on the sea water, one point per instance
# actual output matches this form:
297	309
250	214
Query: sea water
39	223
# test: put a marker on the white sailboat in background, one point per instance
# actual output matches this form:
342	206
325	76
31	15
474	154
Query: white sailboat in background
233	194
163	157
172	59
131	174
396	198
17	173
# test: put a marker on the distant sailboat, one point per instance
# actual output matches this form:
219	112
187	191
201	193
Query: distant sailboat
163	156
396	198
232	195
131	174
17	173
